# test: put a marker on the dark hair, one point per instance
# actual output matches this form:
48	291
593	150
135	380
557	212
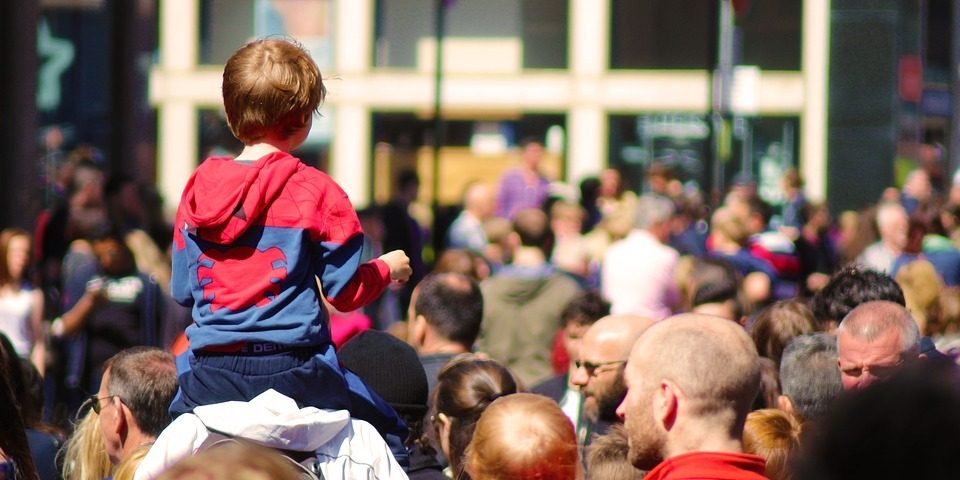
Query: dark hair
453	305
769	385
760	207
917	228
716	280
13	437
850	287
809	376
26	385
407	178
589	192
585	309
145	379
777	324
465	388
13	364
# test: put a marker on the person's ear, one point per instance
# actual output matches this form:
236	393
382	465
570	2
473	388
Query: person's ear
117	417
666	402
443	422
418	331
784	403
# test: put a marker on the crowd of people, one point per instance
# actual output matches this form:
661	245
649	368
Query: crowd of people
272	332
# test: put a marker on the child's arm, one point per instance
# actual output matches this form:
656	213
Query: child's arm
369	279
180	286
347	284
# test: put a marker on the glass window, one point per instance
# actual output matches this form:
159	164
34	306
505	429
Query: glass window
545	33
661	34
763	146
771	33
534	32
225	25
473	150
680	34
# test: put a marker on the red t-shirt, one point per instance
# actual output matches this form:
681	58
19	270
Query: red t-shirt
710	466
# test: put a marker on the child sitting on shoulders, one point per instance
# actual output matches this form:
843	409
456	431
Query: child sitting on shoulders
252	236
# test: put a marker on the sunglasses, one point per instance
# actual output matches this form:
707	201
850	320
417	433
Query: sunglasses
591	368
93	402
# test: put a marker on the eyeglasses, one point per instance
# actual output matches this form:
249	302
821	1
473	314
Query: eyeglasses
592	368
93	401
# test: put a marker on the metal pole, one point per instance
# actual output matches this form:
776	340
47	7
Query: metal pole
438	126
721	81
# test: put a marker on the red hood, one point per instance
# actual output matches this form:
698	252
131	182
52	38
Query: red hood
223	196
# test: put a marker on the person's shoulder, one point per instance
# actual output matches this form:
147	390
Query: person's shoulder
553	387
313	177
315	187
562	282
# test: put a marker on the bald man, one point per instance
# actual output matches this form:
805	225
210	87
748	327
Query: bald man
598	372
466	231
873	341
691	380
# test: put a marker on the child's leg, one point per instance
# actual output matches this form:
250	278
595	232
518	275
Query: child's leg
365	404
206	379
311	377
368	406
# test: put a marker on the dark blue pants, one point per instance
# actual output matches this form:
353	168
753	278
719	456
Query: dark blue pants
312	377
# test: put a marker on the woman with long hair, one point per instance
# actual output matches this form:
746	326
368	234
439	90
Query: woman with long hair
465	388
21	305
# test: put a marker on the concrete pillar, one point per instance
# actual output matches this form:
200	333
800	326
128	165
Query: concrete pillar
177	122
589	60
813	119
350	154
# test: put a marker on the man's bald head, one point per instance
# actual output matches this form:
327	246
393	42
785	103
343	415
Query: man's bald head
871	320
599	368
692	379
873	341
479	199
712	361
617	333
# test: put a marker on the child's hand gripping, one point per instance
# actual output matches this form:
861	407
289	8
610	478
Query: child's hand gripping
399	264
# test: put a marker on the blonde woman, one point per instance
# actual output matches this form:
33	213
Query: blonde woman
84	454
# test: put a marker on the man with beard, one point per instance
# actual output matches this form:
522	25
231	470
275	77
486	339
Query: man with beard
692	379
599	371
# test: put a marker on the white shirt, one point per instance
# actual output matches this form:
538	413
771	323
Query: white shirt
15	312
637	276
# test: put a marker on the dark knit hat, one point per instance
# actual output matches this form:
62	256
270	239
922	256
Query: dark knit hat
390	367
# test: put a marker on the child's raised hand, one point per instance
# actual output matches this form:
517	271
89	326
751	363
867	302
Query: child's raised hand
399	264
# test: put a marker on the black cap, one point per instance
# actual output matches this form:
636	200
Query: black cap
390	367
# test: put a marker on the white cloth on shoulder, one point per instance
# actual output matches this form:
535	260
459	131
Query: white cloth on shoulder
344	447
